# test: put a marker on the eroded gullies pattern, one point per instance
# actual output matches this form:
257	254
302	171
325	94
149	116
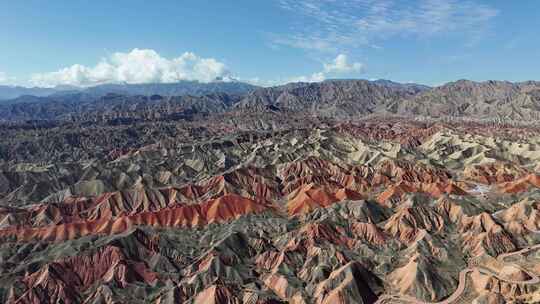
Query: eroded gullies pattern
392	212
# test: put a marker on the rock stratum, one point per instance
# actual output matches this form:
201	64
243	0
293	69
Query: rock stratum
271	205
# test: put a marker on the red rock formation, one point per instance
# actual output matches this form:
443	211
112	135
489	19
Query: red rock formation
410	172
407	134
484	282
310	197
395	193
493	173
350	283
521	185
271	260
406	222
522	218
450	210
62	281
408	177
413	237
216	294
221	209
281	286
314	234
482	234
251	182
326	174
420	279
368	232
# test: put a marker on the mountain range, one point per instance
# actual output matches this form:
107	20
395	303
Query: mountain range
13	94
490	100
342	191
222	209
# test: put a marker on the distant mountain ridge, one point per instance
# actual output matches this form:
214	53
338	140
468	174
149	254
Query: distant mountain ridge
341	99
332	97
193	88
13	94
352	98
85	107
489	99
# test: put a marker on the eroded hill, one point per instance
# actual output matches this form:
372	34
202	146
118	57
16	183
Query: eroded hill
258	210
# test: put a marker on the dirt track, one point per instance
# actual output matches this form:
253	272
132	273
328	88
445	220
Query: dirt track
463	280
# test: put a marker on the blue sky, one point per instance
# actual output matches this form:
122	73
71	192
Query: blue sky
49	43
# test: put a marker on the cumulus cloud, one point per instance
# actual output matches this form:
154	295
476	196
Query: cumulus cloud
136	66
341	65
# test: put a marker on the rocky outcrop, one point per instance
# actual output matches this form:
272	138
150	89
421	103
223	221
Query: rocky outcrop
350	283
482	234
420	279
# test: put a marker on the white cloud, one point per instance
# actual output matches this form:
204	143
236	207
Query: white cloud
315	77
261	82
341	65
137	66
6	80
331	25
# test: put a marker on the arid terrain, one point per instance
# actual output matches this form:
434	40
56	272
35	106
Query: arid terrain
336	192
